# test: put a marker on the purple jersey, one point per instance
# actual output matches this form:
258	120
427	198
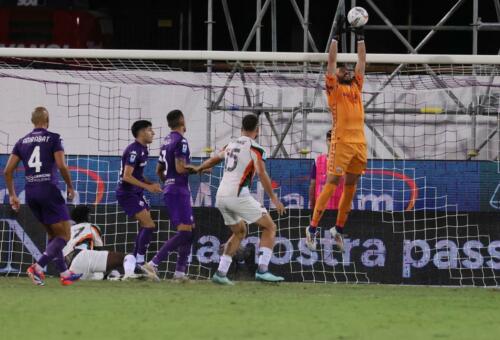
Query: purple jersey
136	156
36	150
174	146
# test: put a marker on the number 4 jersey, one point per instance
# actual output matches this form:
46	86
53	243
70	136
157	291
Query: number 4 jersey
239	167
36	150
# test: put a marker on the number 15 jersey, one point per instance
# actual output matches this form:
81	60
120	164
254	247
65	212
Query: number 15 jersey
240	156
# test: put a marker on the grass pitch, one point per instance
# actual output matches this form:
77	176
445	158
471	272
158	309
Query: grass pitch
249	310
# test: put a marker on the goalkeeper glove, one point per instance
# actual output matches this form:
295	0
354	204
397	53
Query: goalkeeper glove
359	32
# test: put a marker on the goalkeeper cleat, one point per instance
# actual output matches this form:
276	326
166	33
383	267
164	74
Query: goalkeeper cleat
36	276
150	271
70	279
222	280
268	277
311	234
339	239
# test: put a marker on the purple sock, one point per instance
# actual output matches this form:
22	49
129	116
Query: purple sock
183	255
60	263
142	241
54	248
182	237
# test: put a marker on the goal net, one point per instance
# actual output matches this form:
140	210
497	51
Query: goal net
426	210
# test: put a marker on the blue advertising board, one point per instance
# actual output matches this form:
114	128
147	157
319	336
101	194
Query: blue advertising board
392	185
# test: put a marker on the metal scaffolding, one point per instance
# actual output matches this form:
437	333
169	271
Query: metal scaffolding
309	43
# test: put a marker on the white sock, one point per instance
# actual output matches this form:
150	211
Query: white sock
264	258
179	275
129	263
224	264
139	258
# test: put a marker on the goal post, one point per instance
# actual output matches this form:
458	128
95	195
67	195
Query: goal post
426	210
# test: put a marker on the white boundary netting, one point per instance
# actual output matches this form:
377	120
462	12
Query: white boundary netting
414	117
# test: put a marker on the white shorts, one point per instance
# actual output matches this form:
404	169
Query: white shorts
235	209
90	263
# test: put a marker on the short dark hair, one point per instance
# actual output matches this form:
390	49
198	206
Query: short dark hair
80	214
249	122
138	126
174	118
329	134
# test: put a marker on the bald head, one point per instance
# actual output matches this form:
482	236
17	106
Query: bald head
40	117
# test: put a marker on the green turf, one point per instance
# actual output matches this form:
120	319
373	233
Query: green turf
201	310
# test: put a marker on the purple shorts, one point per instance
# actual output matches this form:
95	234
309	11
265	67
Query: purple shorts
47	204
179	208
131	202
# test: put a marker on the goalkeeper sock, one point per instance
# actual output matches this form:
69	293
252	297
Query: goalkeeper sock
345	205
224	264
264	258
321	203
142	243
129	264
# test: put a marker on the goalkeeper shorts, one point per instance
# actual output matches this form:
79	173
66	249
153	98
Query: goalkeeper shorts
347	158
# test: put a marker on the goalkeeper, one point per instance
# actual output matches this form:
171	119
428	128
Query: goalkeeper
347	155
84	256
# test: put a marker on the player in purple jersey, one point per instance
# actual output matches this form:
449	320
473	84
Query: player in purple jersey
172	170
42	154
133	183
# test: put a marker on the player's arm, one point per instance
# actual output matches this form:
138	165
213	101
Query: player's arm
332	58
160	171
208	164
361	64
260	166
181	166
8	173
63	169
129	178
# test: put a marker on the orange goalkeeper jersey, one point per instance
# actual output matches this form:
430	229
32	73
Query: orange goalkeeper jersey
346	105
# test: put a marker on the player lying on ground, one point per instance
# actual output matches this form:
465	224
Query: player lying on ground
83	254
42	154
172	170
129	193
243	156
348	144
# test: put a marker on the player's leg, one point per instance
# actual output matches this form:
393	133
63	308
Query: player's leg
239	231
127	262
338	159
181	218
144	236
354	171
267	240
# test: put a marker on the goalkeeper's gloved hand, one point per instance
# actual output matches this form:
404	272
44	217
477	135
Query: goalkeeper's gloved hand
339	27
359	32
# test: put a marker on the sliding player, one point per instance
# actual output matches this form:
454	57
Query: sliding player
133	183
42	153
82	253
172	170
243	156
348	145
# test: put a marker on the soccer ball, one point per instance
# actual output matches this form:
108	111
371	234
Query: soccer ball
357	16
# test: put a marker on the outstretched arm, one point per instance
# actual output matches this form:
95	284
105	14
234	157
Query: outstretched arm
208	164
332	57
360	65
